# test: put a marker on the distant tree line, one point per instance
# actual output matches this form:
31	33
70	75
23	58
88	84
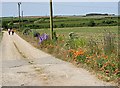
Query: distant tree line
98	14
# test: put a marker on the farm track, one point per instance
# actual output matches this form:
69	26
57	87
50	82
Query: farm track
24	65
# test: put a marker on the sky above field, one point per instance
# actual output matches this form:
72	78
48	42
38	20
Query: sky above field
59	8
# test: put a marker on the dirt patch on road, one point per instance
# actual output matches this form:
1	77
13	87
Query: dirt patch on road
22	54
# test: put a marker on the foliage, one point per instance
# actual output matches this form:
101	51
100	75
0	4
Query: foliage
80	42
10	25
109	43
109	21
1	35
93	47
26	31
74	42
36	34
60	22
55	36
91	23
5	24
41	20
70	43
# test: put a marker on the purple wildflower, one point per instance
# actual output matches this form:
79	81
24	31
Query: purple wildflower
42	38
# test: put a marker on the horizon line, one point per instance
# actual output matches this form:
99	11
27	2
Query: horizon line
62	15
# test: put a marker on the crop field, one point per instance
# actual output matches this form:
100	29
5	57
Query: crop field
83	32
61	22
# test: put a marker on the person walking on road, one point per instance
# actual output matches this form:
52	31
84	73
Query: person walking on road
9	31
12	32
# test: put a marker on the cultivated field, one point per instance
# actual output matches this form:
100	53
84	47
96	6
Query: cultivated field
96	33
61	22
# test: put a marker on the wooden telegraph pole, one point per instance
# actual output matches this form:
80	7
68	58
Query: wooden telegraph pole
51	20
19	3
22	20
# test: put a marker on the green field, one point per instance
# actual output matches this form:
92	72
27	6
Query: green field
83	32
80	30
61	22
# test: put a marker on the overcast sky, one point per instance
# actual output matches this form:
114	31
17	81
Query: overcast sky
59	8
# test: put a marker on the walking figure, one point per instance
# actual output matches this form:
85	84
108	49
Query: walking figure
9	31
12	32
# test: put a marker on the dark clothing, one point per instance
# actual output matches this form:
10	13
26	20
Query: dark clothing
9	32
12	32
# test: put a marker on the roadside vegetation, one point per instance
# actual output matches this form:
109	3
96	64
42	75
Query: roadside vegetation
1	34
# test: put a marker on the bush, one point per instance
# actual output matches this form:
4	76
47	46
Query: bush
91	23
70	43
5	24
74	42
26	31
36	34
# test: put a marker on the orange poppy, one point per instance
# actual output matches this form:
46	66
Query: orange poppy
77	53
105	57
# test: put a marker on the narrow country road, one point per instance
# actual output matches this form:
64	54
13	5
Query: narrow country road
24	65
